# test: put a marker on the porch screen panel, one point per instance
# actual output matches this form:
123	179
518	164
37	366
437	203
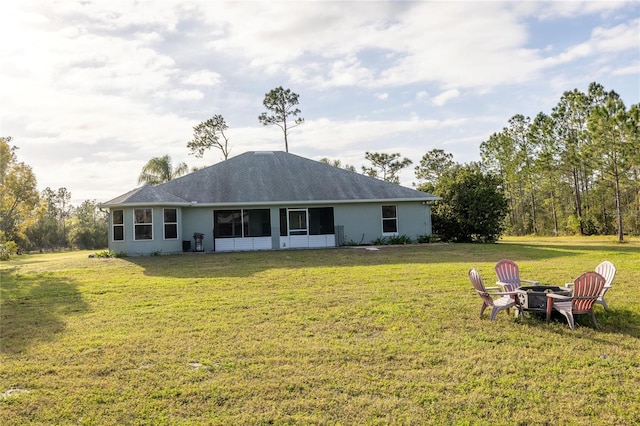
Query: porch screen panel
321	221
228	223
283	223
257	223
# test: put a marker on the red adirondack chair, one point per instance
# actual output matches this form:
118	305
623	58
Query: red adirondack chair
586	290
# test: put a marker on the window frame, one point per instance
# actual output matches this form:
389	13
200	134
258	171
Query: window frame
115	225
148	214
389	219
241	223
298	231
165	223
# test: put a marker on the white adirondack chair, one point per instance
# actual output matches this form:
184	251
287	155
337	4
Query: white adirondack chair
608	271
509	275
502	301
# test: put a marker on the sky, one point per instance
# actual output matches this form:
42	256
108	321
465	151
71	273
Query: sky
92	90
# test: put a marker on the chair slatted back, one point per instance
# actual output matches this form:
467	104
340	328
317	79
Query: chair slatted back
586	289
508	272
478	285
608	271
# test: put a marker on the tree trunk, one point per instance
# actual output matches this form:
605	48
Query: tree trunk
533	212
576	183
554	213
618	206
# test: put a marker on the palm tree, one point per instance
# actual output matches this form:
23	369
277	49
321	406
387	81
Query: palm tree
159	170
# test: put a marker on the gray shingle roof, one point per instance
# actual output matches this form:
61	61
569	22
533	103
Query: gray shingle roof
267	177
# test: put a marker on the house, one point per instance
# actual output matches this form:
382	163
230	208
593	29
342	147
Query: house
264	201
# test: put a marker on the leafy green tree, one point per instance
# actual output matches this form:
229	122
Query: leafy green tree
18	195
210	134
385	166
473	205
46	232
547	165
50	229
432	166
338	163
281	111
614	148
570	131
89	226
499	156
160	170
634	196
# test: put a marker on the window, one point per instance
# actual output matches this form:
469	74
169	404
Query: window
170	224
117	220
143	224
321	221
242	223
298	222
389	220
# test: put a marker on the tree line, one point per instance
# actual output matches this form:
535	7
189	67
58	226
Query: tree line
573	171
32	220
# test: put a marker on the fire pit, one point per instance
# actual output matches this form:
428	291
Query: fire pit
534	298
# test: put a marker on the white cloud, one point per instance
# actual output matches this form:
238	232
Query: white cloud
445	97
606	41
181	95
114	83
633	69
549	10
202	78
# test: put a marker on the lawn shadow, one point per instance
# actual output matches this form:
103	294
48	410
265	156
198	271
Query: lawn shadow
616	321
239	264
32	310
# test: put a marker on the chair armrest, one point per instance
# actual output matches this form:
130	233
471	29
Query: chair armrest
504	293
530	282
495	293
558	296
568	285
504	285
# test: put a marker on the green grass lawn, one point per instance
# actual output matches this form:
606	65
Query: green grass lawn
343	336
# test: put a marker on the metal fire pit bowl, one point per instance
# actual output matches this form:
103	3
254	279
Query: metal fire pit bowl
534	298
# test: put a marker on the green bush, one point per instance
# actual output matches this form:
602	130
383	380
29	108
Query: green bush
380	241
7	250
428	238
400	240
